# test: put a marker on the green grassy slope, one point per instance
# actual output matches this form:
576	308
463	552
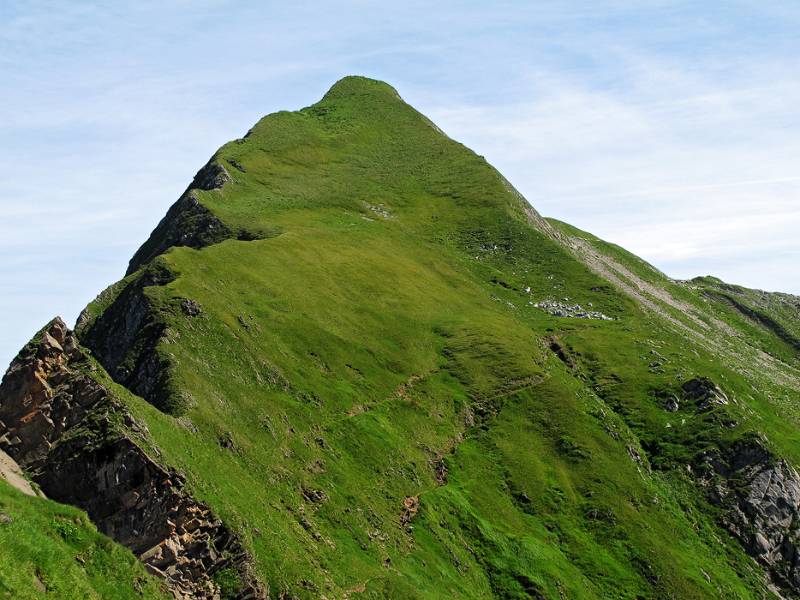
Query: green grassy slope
48	550
371	398
763	320
706	336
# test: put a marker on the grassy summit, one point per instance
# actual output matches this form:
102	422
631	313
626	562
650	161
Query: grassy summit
365	390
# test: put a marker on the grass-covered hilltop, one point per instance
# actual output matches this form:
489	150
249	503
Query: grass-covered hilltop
353	362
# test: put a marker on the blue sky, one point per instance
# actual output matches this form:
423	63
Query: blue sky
671	128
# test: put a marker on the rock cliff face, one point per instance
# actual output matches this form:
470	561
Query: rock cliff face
41	398
760	496
124	338
188	222
82	447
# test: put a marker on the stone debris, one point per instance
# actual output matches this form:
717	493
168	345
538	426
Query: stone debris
440	471
574	311
313	496
380	210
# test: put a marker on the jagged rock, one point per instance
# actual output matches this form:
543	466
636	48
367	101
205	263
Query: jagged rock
187	223
760	495
125	336
226	441
410	509
58	423
191	308
211	177
313	496
704	393
440	470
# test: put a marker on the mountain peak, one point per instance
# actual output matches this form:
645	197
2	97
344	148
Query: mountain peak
360	146
357	85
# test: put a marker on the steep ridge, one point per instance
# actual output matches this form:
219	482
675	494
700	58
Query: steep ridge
735	333
776	313
374	362
83	448
188	222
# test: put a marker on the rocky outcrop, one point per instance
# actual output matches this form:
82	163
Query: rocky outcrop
211	177
760	498
40	399
82	447
188	222
704	393
124	338
144	507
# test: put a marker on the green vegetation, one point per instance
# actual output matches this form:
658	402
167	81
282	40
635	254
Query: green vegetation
53	551
228	582
372	400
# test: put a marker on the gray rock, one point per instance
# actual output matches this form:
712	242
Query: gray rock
124	338
761	497
704	393
187	223
575	311
211	177
191	308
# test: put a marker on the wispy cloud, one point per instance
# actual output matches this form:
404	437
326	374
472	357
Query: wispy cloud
670	128
694	170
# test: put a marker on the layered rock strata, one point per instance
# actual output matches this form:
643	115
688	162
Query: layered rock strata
82	447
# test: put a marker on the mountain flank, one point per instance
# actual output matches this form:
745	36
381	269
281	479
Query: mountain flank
353	361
